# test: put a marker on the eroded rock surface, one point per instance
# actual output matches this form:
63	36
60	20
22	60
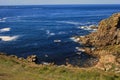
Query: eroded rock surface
108	33
104	43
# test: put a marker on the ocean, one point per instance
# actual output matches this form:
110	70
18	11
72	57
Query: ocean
46	30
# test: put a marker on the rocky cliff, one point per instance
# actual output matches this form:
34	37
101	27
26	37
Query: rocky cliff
108	33
104	43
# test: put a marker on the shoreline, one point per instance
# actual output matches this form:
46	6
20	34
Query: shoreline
73	60
103	44
92	46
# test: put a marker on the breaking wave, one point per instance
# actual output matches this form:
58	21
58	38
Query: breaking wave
90	27
76	23
70	22
8	38
5	30
3	19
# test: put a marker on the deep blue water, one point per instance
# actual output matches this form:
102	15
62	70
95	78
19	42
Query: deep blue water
36	28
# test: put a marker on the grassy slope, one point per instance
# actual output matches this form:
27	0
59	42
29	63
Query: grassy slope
14	69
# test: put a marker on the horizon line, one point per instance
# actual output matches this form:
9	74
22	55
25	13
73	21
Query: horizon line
53	4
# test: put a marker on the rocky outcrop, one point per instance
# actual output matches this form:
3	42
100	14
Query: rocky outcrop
108	33
32	58
104	43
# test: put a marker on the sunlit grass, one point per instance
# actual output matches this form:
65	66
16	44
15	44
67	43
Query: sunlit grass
10	69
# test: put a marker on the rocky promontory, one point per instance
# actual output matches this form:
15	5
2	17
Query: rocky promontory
108	33
104	43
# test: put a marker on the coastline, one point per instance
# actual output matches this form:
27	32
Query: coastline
104	44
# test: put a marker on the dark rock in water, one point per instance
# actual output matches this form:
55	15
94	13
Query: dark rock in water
32	58
108	33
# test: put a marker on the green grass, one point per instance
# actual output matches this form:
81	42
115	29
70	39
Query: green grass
12	69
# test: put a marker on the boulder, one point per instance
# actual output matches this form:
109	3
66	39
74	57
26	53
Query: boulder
32	58
14	56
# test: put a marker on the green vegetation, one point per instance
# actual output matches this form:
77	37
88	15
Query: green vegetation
14	69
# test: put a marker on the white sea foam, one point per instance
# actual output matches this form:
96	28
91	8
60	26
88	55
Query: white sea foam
88	27
61	32
8	38
49	33
5	29
80	49
70	22
4	18
79	53
1	20
75	39
85	27
56	41
52	34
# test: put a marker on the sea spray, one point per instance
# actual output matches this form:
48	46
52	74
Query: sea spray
5	30
8	38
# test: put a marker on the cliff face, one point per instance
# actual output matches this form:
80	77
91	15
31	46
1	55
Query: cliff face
108	33
106	42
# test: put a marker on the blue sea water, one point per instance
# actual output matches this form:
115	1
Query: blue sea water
26	30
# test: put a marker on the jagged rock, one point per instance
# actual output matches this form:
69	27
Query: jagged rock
21	58
93	27
32	58
13	56
108	33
